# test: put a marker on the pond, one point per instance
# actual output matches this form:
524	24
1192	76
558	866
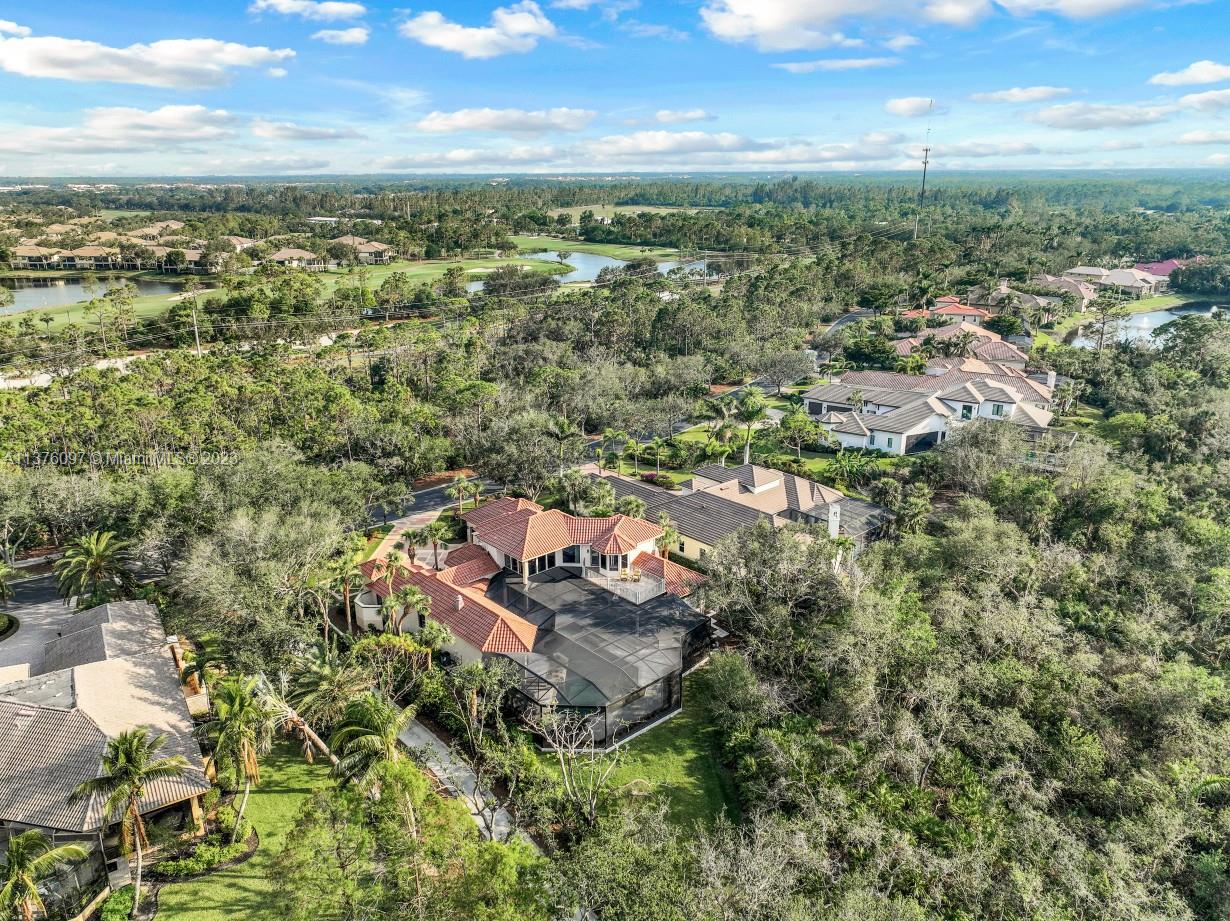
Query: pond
1142	326
586	266
34	291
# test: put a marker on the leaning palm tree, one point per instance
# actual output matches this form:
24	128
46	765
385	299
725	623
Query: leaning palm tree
324	683
275	695
241	732
129	765
30	858
402	602
750	410
93	566
368	736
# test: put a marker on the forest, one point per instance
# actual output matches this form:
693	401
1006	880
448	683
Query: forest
1014	706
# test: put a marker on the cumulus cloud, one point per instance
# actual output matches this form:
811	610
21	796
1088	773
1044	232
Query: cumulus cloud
111	129
472	157
1087	116
910	106
289	131
516	121
180	62
901	42
310	9
787	25
7	27
268	165
1199	72
514	29
981	149
808	67
1022	94
1204	137
357	35
680	116
1210	101
656	143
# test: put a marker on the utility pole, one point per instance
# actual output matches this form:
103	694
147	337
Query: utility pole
922	193
195	332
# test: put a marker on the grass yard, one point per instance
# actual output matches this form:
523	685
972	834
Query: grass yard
373	541
144	306
677	760
242	893
533	244
431	269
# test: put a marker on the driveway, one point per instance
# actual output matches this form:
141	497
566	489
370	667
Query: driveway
42	614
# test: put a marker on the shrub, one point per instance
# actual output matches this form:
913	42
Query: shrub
659	479
226	824
118	905
211	852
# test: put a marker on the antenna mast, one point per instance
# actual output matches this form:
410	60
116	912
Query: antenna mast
922	193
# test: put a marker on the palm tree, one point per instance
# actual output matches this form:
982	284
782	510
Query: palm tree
750	410
93	566
324	683
633	447
437	533
401	602
632	506
658	445
242	732
610	436
29	858
277	700
576	489
719	410
129	764
434	636
346	572
911	364
459	489
669	536
368	735
561	430
851	467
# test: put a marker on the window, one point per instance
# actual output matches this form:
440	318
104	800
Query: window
997	409
595	558
422	620
967	412
681	546
871	439
890	441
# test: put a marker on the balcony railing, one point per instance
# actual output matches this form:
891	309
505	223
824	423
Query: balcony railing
633	587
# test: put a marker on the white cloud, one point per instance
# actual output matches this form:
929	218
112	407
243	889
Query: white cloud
289	131
510	120
680	116
901	42
657	143
186	63
310	9
268	165
639	29
1199	72
1209	101
123	129
788	25
11	28
1022	94
807	67
471	157
514	29
982	149
1218	160
910	106
1204	137
356	35
1087	116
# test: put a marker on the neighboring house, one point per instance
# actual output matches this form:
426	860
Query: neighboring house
111	669
1083	291
903	414
370	252
239	244
91	258
1134	282
1160	269
298	258
953	312
35	257
590	616
720	501
986	345
1003	298
1091	274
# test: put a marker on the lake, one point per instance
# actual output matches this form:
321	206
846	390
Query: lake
34	291
586	266
1142	326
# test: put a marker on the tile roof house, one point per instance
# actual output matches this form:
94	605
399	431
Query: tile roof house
1160	269
113	669
987	345
298	258
903	413
586	610
1135	282
35	257
1082	290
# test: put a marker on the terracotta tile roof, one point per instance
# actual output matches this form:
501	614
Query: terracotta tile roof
470	615
680	581
468	564
618	534
956	310
523	530
497	507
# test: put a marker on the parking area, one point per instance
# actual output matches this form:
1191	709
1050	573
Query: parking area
42	615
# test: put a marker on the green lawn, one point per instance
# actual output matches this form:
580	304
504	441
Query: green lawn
373	541
242	893
611	210
533	244
431	269
677	759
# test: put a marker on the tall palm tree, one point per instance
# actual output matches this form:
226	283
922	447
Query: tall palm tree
459	489
346	573
400	604
434	636
324	683
29	858
437	533
750	410
92	566
633	447
658	446
719	410
129	764
669	536
561	430
610	436
241	732
367	736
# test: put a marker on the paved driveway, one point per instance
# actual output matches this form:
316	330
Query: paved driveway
42	615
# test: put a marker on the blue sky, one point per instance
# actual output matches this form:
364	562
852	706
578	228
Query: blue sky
610	86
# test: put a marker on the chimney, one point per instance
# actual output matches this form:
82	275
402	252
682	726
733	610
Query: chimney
460	601
1050	379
